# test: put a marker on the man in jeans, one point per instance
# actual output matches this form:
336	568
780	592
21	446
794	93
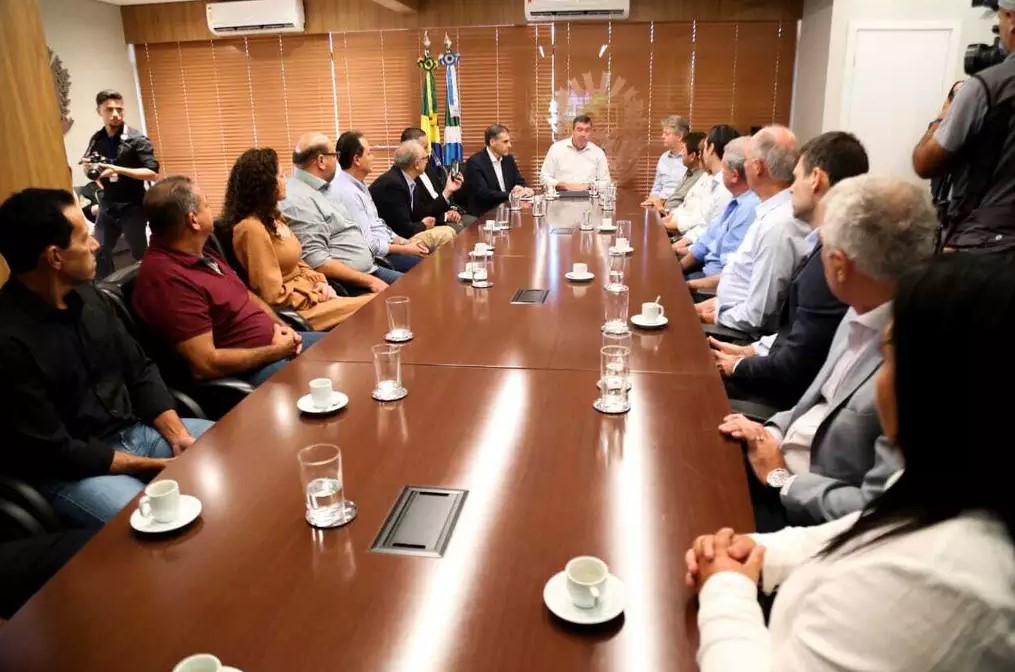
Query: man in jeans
129	161
86	416
192	298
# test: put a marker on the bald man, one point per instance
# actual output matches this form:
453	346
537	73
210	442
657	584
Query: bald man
332	242
754	282
395	194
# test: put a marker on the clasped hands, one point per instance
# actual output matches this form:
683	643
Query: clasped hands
724	551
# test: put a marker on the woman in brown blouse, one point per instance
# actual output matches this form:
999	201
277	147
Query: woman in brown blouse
269	252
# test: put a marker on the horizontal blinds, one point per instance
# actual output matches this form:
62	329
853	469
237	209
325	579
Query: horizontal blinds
207	102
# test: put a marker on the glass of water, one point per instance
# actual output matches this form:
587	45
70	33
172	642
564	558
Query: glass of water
624	229
615	302
388	372
398	320
503	214
594	190
321	475
538	205
585	222
615	373
616	269
515	200
481	273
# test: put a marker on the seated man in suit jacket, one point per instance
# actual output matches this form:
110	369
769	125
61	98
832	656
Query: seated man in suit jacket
492	174
827	456
396	192
436	191
777	369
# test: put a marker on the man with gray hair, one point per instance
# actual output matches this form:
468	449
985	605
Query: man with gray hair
753	284
670	169
828	456
394	192
332	242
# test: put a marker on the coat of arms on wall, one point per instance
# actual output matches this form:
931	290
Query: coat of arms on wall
61	81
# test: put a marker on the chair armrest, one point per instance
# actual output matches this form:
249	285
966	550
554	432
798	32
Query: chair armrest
706	292
721	333
383	263
753	410
217	397
293	319
16	523
28	499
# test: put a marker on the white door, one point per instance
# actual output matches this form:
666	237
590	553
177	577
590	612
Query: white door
897	76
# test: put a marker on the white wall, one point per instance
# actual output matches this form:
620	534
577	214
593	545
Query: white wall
812	69
88	37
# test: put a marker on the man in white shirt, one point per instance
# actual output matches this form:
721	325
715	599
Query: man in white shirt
576	163
754	281
670	169
708	197
827	456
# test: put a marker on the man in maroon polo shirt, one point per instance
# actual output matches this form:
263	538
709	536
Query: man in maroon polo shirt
193	299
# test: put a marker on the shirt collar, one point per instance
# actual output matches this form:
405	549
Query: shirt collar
312	181
812	240
209	260
873	322
408	180
717	178
771	204
493	157
570	143
348	178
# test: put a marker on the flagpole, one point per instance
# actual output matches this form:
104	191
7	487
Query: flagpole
452	112
428	120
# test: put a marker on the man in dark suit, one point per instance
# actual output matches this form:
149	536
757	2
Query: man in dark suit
396	193
777	369
492	174
436	191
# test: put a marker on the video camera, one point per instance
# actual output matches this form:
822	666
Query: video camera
979	57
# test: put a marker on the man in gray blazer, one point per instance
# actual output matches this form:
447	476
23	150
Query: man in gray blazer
827	456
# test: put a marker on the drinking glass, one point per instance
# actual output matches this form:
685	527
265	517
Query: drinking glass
488	236
503	214
388	372
615	302
624	229
585	224
616	269
516	201
480	273
594	190
321	475
606	202
614	378
539	205
398	319
551	192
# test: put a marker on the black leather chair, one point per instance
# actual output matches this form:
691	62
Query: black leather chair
206	399
23	511
727	335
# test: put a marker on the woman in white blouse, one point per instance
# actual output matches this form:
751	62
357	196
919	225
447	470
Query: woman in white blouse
924	577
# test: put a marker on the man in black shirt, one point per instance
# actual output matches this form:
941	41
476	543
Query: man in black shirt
86	416
130	161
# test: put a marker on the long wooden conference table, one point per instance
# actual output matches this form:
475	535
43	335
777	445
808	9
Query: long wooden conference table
500	404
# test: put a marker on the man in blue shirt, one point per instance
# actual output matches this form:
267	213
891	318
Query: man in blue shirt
671	169
706	258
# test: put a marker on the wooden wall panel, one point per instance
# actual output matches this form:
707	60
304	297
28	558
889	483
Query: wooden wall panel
31	139
185	21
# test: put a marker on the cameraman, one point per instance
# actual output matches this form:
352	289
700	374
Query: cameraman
129	162
973	140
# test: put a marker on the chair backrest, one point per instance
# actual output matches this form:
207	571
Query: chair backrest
222	242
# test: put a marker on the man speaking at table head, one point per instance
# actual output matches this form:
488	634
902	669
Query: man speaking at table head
492	173
573	164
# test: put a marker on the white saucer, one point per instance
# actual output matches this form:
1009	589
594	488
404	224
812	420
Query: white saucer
465	275
395	339
638	321
307	405
190	509
558	601
606	229
473	253
618	252
579	278
226	668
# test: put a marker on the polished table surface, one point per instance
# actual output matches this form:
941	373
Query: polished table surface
548	478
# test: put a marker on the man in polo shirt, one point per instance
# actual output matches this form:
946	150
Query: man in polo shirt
193	299
332	243
86	416
670	169
575	163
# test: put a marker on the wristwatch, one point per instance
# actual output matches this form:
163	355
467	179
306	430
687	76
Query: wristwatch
777	477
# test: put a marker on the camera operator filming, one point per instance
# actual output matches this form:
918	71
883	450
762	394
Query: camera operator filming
122	158
972	145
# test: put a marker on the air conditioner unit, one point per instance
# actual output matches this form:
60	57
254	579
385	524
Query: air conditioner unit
577	10
251	17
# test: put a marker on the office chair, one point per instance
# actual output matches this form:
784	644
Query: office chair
23	511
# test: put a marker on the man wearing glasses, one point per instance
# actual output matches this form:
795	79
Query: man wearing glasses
395	195
332	243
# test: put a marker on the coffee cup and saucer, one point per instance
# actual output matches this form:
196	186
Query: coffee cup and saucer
621	246
323	398
481	250
164	509
470	268
607	225
203	662
652	316
585	592
579	273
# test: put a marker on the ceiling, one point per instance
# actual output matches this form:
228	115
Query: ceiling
138	2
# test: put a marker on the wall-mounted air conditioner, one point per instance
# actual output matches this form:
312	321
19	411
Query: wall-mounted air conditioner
577	10
251	17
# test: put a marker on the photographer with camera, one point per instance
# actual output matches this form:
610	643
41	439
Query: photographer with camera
972	143
122	159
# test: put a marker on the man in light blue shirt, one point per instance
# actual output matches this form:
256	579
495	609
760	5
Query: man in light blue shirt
355	158
754	281
670	169
332	243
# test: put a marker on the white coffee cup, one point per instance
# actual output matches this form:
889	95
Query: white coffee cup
607	223
201	662
580	270
586	577
321	392
161	501
491	225
622	244
479	275
652	312
481	248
